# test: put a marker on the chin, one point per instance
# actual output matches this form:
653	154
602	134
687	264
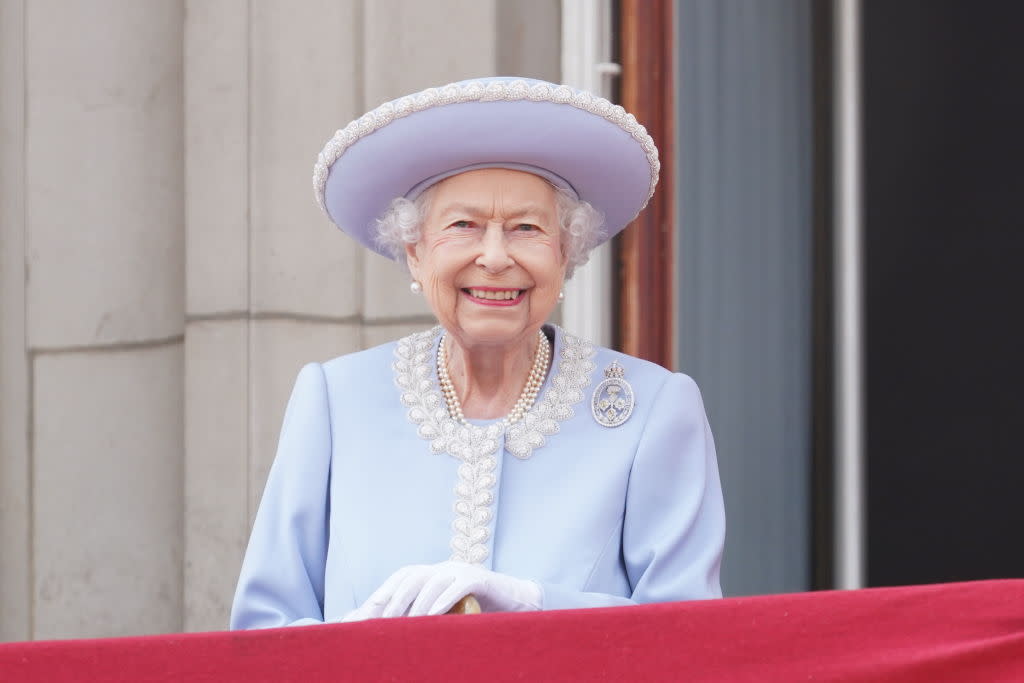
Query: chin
494	332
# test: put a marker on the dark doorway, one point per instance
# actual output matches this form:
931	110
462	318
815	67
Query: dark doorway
944	240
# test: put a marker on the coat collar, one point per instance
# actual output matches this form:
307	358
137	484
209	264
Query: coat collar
416	378
477	446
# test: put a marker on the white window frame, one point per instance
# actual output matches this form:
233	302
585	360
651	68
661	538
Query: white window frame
586	64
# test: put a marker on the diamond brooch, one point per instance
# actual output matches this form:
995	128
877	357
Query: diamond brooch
613	400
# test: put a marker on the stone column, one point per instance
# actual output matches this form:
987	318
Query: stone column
103	302
271	285
15	496
217	303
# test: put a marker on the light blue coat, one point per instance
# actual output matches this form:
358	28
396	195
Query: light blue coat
371	475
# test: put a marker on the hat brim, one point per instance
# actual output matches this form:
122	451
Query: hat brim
602	158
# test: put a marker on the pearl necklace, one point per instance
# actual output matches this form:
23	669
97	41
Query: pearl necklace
526	399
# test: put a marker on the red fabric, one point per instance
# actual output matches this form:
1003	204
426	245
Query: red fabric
953	632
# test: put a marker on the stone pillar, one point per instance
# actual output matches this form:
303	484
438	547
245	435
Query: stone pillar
101	261
271	286
15	491
217	303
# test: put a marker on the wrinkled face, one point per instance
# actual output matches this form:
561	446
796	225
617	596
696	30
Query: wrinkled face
490	258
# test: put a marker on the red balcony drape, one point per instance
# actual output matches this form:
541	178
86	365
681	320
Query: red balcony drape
952	632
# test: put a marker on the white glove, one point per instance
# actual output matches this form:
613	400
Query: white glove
419	590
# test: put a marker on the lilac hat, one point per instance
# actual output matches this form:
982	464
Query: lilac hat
576	140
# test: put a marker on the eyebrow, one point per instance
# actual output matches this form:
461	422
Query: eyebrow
471	210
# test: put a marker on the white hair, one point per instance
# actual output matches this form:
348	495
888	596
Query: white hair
582	226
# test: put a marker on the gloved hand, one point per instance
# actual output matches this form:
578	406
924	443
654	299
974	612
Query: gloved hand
419	590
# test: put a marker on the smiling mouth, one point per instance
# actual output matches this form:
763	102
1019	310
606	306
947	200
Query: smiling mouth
493	296
496	294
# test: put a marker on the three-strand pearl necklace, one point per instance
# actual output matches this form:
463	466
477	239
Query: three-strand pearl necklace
526	399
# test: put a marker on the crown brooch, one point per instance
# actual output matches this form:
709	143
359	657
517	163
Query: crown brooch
613	399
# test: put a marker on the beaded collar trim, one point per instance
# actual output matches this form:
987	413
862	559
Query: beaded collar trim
477	446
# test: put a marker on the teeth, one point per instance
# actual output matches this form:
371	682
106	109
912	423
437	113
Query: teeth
498	295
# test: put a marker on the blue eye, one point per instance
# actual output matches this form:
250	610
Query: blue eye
526	227
461	224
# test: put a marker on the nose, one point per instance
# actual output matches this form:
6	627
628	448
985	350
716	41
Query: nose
494	256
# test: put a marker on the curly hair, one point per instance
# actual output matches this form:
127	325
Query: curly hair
582	226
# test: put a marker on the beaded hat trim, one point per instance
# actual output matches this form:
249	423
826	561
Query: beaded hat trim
481	91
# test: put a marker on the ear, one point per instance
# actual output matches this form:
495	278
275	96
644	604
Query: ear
412	260
565	254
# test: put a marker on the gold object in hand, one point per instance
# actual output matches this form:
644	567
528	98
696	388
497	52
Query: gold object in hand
467	605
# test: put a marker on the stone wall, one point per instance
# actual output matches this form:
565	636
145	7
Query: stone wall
164	273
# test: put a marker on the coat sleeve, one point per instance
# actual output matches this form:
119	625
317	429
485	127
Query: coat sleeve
674	526
282	578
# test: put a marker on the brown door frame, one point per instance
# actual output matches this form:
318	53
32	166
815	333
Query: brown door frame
645	252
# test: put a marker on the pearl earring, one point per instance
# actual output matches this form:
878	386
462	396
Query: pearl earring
561	297
415	287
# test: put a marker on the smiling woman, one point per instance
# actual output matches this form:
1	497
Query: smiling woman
501	194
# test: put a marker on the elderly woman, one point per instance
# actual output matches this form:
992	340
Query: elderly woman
496	454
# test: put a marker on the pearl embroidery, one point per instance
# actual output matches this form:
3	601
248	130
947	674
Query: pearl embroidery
476	446
478	91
